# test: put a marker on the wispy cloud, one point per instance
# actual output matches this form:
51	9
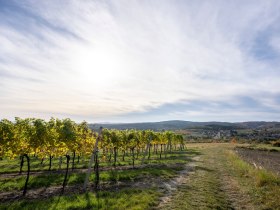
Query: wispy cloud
138	60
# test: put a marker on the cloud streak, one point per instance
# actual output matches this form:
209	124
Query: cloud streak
140	60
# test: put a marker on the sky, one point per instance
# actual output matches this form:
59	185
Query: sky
140	60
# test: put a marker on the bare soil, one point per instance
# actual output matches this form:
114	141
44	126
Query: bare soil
261	159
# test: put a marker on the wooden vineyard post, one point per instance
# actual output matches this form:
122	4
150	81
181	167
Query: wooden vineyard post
93	156
21	163
27	176
147	149
96	168
66	173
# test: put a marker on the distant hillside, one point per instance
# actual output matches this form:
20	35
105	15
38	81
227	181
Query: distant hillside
166	125
178	125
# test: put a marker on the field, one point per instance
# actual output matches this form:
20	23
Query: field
204	176
261	159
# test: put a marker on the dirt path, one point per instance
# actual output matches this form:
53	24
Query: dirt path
206	185
172	185
235	196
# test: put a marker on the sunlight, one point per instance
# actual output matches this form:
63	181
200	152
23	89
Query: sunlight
98	66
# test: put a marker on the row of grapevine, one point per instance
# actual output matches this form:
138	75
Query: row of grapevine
57	138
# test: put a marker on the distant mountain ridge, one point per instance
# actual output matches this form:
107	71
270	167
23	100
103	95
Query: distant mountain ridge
180	124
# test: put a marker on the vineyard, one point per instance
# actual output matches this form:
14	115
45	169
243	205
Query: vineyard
60	164
36	153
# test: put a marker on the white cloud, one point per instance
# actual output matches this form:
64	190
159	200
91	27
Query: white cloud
95	60
275	43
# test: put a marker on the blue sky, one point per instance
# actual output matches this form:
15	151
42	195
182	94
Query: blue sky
132	61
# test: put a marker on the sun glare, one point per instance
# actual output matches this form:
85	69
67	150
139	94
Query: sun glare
98	66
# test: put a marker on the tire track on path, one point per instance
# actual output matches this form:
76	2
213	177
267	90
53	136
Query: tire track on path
206	183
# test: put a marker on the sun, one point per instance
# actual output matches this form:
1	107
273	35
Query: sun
100	65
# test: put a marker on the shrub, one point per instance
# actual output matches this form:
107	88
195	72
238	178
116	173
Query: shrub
276	143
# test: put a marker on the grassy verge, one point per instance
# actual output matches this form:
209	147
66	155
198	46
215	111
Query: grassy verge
263	186
123	199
